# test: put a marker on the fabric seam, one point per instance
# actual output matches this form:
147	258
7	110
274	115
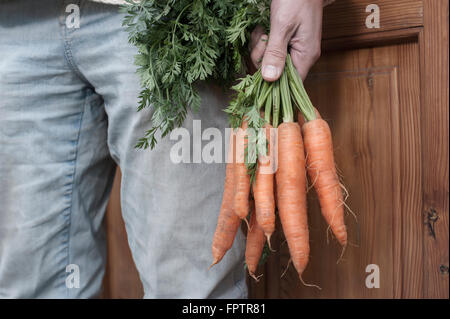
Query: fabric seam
67	42
74	172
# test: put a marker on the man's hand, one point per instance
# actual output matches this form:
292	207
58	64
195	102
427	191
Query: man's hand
293	23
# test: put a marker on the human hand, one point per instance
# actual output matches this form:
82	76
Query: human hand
293	23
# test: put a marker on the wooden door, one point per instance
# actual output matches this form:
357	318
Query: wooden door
361	94
121	279
384	92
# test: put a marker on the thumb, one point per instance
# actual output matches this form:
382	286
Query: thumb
275	54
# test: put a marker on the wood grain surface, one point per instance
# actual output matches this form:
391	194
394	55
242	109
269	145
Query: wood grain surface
435	139
121	277
358	92
348	17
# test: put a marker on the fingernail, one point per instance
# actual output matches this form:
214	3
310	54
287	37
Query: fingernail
270	71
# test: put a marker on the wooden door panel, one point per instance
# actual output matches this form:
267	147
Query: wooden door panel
361	106
361	93
348	17
363	150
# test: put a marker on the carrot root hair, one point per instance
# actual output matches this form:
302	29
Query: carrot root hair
248	225
268	242
308	285
256	278
342	254
286	269
352	244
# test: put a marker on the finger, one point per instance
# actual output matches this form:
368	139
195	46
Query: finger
257	32
276	50
258	51
305	45
303	61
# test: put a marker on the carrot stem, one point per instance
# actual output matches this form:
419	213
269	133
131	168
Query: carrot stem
268	107
288	114
276	103
263	94
298	90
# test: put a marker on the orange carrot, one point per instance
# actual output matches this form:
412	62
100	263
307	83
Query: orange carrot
291	193
323	175
228	222
241	177
255	244
263	188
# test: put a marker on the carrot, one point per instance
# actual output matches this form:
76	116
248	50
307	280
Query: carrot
263	188
228	222
323	175
291	193
241	177
255	245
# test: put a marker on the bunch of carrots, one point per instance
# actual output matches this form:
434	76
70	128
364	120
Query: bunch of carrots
257	184
182	42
